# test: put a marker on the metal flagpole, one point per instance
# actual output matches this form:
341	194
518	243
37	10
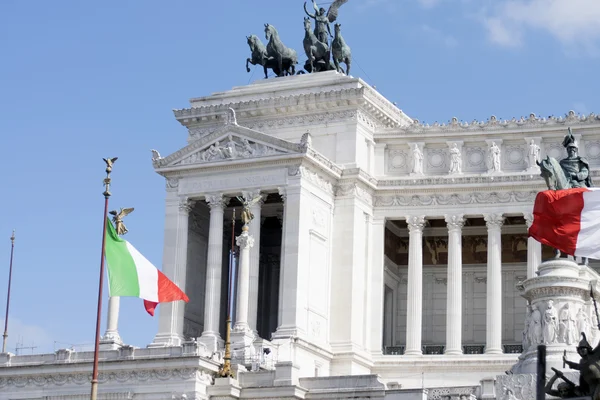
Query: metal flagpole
12	249
225	371
595	305
109	163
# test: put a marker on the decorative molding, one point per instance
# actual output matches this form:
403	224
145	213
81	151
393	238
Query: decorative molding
571	118
316	179
172	184
493	221
462	179
134	375
455	222
244	240
355	190
453	199
215	200
186	205
415	223
528	219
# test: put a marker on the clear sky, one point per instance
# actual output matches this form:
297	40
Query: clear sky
82	80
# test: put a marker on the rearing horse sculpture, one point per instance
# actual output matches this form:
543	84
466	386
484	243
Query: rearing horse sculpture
316	51
553	174
259	57
278	52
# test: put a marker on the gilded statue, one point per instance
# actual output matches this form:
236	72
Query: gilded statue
118	219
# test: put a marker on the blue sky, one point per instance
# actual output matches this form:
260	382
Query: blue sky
84	80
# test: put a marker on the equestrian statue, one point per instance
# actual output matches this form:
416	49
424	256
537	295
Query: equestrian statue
570	172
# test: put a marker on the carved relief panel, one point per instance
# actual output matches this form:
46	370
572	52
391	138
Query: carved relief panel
514	157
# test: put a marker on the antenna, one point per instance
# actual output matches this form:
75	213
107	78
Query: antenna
19	346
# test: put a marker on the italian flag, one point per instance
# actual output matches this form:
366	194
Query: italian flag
130	274
568	220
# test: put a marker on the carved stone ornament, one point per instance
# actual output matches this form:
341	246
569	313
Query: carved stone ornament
494	221
244	240
283	193
571	118
316	179
172	183
415	223
230	118
528	219
234	147
353	189
455	222
216	200
455	199
186	205
84	379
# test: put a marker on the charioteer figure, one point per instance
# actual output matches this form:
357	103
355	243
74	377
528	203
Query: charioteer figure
588	367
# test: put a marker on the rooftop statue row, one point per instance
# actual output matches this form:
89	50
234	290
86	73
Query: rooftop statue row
493	122
282	60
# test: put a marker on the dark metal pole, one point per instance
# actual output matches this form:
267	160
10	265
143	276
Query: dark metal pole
12	249
109	163
541	373
225	371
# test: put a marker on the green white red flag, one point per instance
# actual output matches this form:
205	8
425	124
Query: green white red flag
130	274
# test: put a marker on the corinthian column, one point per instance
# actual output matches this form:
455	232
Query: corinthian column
170	320
415	285
454	303
534	250
254	231
212	303
494	284
245	242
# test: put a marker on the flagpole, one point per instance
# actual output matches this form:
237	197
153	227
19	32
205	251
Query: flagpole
225	371
12	249
109	164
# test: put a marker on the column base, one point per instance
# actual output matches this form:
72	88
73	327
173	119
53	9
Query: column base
166	340
285	332
453	352
493	351
111	341
413	352
242	347
212	341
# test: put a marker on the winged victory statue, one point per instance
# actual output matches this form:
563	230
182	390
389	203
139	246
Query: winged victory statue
118	219
324	18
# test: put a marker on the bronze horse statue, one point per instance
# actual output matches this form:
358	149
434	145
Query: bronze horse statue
317	52
341	51
259	57
278	53
553	174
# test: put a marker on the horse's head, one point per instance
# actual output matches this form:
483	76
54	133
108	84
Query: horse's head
268	31
337	28
307	25
548	172
252	40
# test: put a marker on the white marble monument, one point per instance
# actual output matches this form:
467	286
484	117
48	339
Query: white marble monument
387	261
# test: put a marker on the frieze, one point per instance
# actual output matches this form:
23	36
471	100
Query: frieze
84	379
554	291
397	160
456	199
515	157
316	179
352	189
465	179
532	121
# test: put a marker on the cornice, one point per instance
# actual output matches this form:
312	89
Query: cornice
494	124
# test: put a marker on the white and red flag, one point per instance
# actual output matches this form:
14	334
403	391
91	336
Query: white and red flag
568	220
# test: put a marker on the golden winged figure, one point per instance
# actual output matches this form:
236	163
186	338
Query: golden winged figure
118	219
247	216
109	163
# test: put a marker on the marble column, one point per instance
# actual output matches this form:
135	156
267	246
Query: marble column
282	193
254	231
212	303
111	339
414	310
377	284
534	250
170	320
494	284
454	298
245	243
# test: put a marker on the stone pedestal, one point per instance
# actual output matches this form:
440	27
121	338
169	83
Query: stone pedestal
242	347
111	339
559	309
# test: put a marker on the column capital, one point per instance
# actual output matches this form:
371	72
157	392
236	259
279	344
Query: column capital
283	193
415	223
244	240
528	219
494	221
186	205
455	222
216	200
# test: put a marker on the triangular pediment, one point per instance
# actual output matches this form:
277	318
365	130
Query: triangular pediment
229	143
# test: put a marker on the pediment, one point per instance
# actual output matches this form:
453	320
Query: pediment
231	142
